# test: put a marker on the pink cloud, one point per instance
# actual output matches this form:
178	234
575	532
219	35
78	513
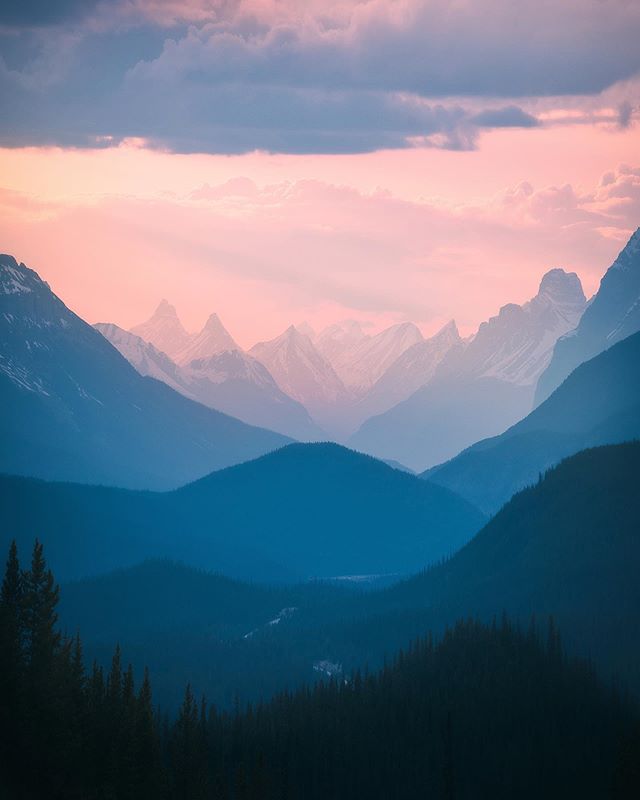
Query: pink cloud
265	255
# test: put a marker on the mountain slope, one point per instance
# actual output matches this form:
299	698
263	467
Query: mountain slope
238	384
612	315
408	373
305	510
75	409
145	357
480	387
338	339
164	330
232	382
568	547
599	403
300	371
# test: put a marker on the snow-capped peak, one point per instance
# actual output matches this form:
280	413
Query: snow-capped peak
163	330
212	340
16	278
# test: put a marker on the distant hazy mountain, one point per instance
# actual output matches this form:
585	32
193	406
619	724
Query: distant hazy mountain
305	510
339	339
307	330
369	357
301	372
408	373
599	403
612	315
145	357
231	381
74	409
164	330
481	386
212	340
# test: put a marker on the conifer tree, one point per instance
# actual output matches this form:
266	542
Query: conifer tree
11	661
40	598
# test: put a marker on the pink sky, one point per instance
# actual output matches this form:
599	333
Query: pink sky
278	161
266	240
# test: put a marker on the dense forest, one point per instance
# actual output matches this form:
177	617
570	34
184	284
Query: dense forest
486	711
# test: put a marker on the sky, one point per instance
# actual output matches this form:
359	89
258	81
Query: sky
278	161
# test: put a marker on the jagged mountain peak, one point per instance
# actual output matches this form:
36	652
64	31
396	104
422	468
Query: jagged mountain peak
163	330
612	315
214	338
367	358
562	287
214	324
165	309
16	278
293	337
449	329
306	329
402	328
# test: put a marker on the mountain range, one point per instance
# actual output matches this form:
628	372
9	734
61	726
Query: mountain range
75	409
345	377
230	381
481	386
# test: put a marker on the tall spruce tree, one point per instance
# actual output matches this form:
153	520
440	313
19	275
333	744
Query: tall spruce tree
11	665
42	640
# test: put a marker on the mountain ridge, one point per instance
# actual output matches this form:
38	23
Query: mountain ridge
612	315
482	385
599	403
307	510
74	408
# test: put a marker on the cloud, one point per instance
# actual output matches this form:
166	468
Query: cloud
625	113
508	117
492	48
267	254
232	76
17	13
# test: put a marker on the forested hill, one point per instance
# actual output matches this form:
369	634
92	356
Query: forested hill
568	547
485	712
306	510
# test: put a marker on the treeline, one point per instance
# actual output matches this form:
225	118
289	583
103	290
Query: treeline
488	711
